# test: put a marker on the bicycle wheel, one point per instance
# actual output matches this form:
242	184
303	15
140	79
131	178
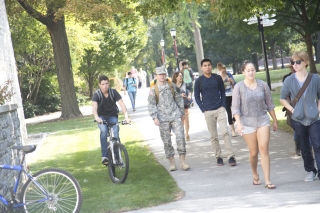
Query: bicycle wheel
63	190
119	169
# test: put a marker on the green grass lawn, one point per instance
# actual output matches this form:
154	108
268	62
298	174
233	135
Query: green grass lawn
74	145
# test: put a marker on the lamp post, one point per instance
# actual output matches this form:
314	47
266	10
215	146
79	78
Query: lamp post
263	21
145	65
173	33
163	57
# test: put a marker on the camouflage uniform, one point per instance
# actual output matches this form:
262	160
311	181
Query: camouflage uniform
169	112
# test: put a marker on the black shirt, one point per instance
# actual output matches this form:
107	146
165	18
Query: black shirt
107	108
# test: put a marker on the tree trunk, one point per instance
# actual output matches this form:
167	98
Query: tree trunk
273	55
198	44
318	48
69	104
312	64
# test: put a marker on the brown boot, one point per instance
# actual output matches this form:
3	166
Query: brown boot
172	164
183	164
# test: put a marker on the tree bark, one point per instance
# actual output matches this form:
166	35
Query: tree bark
318	48
61	50
198	45
312	64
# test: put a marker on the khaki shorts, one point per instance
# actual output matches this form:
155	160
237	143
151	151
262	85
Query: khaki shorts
249	129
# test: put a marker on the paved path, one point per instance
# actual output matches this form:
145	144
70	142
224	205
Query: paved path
209	188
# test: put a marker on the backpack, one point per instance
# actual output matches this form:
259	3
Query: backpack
154	81
100	97
156	90
134	81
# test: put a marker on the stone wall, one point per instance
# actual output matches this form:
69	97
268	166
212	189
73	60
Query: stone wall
12	123
9	136
8	69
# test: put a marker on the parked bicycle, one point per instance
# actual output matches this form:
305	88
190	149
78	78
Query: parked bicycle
118	164
49	190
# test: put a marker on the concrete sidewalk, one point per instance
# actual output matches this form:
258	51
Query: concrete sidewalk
212	188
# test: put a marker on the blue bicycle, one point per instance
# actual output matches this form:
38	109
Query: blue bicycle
49	190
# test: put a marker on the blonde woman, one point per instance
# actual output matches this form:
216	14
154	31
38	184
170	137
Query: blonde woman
251	103
305	119
186	94
229	83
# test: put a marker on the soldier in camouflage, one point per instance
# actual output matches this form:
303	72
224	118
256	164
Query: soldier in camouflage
166	108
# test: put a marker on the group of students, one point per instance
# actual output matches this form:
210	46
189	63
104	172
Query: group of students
250	103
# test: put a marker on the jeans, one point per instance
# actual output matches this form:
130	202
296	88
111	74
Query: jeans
303	135
132	96
104	133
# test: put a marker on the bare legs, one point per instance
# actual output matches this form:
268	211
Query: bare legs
233	132
259	142
186	124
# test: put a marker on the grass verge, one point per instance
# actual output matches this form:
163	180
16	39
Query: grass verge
74	145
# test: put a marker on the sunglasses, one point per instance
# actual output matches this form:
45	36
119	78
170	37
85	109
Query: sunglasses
297	62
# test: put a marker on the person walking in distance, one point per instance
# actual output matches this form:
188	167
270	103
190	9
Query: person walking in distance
130	85
186	94
104	108
251	103
213	104
166	108
187	75
305	119
229	83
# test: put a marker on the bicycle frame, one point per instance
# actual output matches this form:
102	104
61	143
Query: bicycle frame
112	142
21	170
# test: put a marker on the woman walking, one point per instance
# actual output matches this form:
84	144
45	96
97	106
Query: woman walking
229	83
305	119
251	100
186	94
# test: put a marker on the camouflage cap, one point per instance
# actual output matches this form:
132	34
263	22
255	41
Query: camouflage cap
160	70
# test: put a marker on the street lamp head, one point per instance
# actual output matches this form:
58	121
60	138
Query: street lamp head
162	43
173	33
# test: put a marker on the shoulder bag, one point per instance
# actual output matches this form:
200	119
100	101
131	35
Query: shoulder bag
296	99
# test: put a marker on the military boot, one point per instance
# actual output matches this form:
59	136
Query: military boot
183	164
172	164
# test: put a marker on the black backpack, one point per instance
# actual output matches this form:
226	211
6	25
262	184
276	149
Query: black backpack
100	97
134	81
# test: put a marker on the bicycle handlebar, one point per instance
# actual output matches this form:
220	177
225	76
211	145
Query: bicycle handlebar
124	122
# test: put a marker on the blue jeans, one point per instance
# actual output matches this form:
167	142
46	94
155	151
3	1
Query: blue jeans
303	135
132	96
104	133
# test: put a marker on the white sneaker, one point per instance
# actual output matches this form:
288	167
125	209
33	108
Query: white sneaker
310	177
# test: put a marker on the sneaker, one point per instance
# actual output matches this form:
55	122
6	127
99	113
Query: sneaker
105	161
220	162
310	177
232	161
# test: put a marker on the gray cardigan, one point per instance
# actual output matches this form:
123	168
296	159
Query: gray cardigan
306	110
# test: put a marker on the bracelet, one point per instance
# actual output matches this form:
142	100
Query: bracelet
291	109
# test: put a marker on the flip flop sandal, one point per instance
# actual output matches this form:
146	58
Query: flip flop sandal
256	181
270	186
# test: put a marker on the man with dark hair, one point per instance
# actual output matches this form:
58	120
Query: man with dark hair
104	108
213	104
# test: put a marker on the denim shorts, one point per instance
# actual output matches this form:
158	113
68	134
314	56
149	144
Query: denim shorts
250	129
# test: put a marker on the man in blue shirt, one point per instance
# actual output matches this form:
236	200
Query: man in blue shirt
213	103
130	85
